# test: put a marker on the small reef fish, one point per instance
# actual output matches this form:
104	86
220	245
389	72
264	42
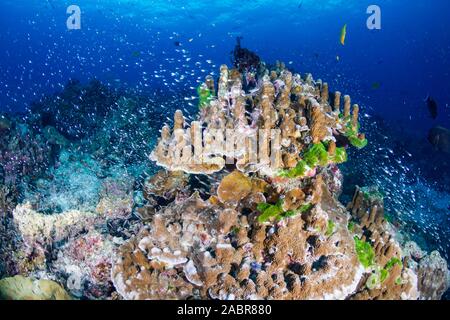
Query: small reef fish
177	43
439	137
432	106
343	34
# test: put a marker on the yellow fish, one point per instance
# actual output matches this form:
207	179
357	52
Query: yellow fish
343	34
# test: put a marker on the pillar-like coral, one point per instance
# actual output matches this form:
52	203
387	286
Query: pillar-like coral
318	122
325	93
355	115
337	102
178	120
223	83
209	81
347	103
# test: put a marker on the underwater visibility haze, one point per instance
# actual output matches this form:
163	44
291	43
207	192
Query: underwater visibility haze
248	149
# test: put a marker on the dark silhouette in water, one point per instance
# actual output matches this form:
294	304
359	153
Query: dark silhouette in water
432	106
177	43
439	137
244	59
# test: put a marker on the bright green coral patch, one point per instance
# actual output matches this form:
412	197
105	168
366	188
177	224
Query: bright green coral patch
391	263
276	212
298	171
316	155
351	226
380	275
357	142
373	281
330	228
204	96
340	156
384	274
364	250
269	211
353	135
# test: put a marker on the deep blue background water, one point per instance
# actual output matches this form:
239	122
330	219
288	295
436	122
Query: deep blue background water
131	44
408	57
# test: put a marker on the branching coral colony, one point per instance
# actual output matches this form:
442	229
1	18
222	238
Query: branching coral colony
266	232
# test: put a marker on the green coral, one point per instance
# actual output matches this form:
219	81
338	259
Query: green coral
204	96
384	274
351	226
357	142
352	134
330	228
275	211
373	281
380	275
316	155
365	252
391	263
269	211
340	156
298	171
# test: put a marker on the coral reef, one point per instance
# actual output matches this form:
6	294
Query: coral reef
85	266
244	207
397	272
290	239
24	153
165	184
388	277
200	249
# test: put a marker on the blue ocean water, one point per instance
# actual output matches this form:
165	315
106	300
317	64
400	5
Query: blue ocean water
165	48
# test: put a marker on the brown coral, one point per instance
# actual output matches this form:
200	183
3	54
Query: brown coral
234	187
